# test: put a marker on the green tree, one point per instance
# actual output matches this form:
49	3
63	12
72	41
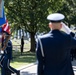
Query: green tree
31	15
69	10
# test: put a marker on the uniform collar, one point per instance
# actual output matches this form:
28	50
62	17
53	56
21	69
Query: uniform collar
54	31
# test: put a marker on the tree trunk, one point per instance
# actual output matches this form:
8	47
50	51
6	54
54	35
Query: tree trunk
32	48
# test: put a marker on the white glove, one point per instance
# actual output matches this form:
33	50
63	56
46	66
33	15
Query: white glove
2	52
65	28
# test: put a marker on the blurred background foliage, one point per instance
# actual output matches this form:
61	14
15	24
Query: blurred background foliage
31	15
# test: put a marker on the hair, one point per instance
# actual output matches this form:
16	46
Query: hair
6	33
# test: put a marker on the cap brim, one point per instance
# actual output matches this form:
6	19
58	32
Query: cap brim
56	17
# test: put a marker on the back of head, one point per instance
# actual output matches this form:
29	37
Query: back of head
55	20
6	35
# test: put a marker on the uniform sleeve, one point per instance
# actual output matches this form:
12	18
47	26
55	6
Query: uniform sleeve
72	34
40	59
72	41
10	45
9	50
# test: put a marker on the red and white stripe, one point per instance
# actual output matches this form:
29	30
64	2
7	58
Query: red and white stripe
6	27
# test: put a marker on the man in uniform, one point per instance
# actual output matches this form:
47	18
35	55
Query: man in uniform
53	48
6	69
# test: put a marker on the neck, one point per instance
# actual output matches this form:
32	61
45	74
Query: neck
55	26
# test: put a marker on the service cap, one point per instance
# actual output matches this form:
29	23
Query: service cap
55	17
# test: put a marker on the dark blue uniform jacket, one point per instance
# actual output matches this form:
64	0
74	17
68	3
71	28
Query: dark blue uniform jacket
56	48
8	50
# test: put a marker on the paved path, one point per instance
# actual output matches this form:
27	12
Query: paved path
32	69
28	70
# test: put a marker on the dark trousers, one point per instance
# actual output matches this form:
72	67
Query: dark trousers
22	46
6	69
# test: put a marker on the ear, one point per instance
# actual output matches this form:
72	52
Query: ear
50	25
60	26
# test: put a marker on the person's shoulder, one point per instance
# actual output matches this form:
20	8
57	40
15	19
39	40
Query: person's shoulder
9	41
64	33
71	34
67	36
44	36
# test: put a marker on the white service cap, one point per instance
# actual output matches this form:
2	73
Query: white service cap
55	17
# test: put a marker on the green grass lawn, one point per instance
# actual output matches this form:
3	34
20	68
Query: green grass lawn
22	60
16	44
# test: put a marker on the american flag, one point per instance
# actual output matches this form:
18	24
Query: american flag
2	20
6	27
